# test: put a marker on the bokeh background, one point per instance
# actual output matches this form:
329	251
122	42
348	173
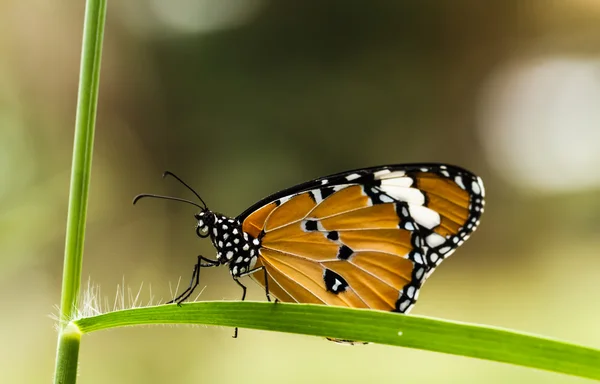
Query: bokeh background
242	98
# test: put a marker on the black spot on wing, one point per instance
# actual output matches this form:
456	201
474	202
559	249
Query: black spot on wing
344	252
333	235
334	282
326	192
320	194
310	226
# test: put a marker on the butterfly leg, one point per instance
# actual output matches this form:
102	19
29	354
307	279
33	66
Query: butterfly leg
235	333
266	280
267	286
195	279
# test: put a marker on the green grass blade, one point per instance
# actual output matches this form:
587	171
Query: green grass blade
89	77
374	326
81	169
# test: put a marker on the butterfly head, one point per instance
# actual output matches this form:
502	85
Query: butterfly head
206	220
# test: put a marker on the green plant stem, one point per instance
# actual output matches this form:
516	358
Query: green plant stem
89	77
68	351
95	13
419	332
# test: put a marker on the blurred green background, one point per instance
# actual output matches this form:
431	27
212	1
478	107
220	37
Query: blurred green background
242	98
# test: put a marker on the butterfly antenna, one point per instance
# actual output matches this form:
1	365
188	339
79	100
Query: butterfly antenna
138	197
168	173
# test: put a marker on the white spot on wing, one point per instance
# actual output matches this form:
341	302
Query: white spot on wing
336	285
424	216
418	241
404	211
475	187
285	199
385	198
434	257
404	305
352	176
459	181
317	194
433	240
389	175
409	195
480	182
380	173
398	182
324	181
420	272
418	258
445	250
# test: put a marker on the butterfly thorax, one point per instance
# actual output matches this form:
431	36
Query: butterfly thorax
234	246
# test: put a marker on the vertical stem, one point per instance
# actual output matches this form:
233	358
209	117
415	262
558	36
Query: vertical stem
67	355
69	336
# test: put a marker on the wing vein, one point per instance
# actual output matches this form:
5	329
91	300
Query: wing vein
372	274
294	280
279	284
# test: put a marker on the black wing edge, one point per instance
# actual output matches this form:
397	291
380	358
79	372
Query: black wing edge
340	178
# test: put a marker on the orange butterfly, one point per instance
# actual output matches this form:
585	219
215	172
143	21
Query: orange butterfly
366	238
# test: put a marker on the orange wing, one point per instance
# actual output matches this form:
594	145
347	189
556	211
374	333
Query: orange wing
367	238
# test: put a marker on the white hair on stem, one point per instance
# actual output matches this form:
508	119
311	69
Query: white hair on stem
93	303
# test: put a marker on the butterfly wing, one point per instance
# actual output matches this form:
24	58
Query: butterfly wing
366	238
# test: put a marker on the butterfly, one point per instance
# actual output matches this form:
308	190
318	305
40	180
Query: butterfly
365	238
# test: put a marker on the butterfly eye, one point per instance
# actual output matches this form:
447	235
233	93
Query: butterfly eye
202	231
